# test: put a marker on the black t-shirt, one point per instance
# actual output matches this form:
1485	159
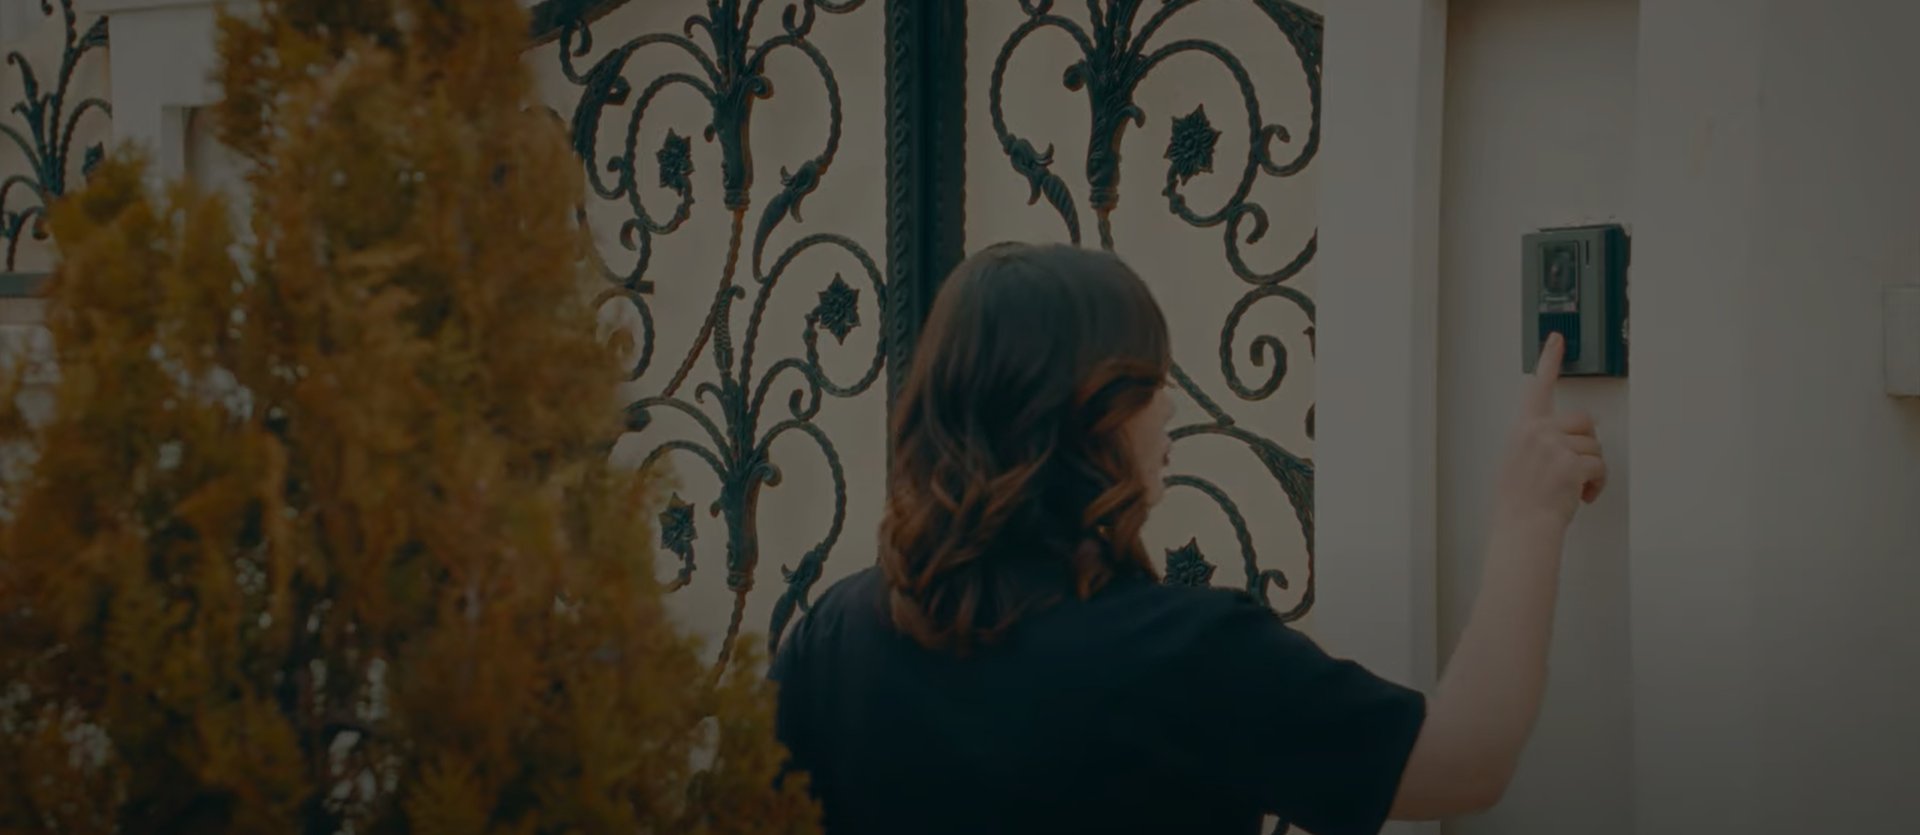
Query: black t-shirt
1148	708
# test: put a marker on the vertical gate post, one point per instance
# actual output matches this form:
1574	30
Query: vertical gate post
926	141
1379	266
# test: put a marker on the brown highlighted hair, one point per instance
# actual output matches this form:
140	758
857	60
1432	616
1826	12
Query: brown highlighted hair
1010	457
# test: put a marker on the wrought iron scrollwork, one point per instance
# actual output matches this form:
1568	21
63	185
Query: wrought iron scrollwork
47	142
1115	56
726	64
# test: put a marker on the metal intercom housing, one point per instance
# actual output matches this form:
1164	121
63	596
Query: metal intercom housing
1574	283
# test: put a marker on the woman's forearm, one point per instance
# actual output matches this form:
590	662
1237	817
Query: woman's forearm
1484	708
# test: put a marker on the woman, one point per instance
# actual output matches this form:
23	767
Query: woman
1013	666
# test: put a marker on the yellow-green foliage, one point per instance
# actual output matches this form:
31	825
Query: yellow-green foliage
322	536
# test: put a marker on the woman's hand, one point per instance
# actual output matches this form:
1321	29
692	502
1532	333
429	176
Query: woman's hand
1554	461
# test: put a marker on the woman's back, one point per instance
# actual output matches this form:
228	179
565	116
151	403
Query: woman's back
1013	665
1144	708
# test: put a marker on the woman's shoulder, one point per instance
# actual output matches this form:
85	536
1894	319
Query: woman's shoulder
861	594
1151	597
1132	609
1141	618
865	585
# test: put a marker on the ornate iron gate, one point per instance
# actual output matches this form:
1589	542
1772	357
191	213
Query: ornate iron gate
46	120
926	133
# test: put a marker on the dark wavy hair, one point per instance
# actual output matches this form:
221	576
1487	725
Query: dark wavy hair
1010	458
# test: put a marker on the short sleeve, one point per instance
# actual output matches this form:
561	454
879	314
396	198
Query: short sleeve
1320	742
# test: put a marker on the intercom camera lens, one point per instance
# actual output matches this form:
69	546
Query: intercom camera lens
1560	272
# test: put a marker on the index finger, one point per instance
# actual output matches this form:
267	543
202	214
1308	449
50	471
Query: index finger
1546	372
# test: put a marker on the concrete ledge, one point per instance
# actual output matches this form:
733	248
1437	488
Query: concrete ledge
115	6
21	285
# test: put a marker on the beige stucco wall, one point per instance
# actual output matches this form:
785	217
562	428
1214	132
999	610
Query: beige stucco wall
1538	133
1737	648
1773	553
1836	465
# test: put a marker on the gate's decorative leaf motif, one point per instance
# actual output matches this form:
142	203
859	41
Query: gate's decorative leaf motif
726	50
839	309
1116	55
48	141
1191	149
1186	566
